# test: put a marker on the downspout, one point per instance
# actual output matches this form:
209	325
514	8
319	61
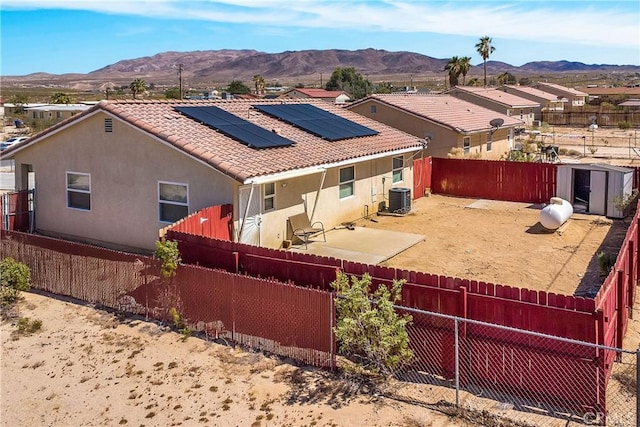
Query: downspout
246	212
315	203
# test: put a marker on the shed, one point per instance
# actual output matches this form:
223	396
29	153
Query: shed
595	188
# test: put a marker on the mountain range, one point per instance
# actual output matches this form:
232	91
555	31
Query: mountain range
218	67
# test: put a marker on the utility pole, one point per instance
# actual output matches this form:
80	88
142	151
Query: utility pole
180	66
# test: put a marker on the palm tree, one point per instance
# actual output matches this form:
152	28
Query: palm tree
137	87
484	48
453	67
465	64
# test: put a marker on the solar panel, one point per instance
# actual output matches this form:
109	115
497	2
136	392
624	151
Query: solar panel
316	121
235	127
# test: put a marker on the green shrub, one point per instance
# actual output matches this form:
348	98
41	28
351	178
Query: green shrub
624	125
167	252
605	261
368	328
14	278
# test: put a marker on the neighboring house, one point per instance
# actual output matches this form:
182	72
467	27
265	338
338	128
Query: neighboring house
632	104
447	123
10	109
54	112
549	103
612	94
335	96
501	102
119	172
575	97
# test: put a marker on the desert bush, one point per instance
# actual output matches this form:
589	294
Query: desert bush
14	278
605	262
368	329
167	252
624	125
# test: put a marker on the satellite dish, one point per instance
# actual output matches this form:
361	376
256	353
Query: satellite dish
496	123
560	97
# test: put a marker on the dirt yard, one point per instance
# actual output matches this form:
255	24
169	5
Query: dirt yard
504	243
87	367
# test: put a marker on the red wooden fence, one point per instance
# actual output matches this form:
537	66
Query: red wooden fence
15	211
215	222
421	177
489	179
264	314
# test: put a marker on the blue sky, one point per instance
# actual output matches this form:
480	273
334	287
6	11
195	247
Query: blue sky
65	36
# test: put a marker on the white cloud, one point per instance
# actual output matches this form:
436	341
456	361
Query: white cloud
597	24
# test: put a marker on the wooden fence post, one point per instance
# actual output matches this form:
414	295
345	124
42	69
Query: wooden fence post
631	283
621	318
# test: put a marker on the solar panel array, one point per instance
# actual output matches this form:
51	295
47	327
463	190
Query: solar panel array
316	121
233	126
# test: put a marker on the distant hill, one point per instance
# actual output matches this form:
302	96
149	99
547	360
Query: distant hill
211	67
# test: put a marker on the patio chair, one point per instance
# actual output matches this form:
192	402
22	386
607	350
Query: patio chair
303	229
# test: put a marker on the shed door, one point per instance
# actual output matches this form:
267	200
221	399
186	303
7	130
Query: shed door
249	226
598	194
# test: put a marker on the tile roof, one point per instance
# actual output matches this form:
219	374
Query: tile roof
319	93
495	95
630	103
532	91
559	88
631	91
447	110
236	159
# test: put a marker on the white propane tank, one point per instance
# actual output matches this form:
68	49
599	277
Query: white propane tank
556	213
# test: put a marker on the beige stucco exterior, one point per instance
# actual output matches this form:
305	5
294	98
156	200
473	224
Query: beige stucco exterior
126	165
373	179
443	140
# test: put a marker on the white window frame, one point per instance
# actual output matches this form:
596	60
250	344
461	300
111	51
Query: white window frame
351	182
489	141
77	190
395	170
466	144
268	196
171	202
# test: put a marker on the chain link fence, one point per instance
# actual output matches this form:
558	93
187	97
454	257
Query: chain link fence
496	375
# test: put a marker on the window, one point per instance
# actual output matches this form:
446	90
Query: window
374	109
79	191
398	169
347	181
173	201
489	140
35	115
269	196
59	114
466	144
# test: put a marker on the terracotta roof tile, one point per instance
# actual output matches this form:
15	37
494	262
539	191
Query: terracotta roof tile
559	88
532	91
495	95
236	159
446	110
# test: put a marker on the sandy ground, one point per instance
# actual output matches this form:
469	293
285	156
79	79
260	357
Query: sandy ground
87	367
503	243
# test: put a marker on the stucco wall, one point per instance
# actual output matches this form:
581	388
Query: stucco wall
294	196
125	168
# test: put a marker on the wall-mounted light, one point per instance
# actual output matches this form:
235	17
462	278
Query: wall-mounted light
284	185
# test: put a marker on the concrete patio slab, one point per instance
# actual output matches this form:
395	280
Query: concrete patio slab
361	244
